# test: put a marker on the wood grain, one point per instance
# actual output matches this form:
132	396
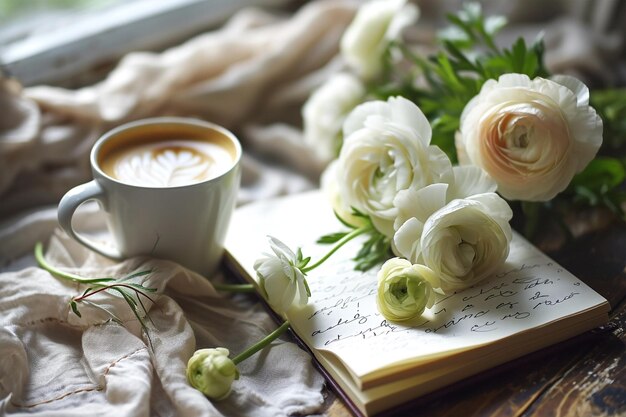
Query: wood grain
596	384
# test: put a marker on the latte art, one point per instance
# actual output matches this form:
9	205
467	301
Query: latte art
168	163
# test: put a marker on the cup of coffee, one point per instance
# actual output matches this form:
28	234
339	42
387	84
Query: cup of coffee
168	187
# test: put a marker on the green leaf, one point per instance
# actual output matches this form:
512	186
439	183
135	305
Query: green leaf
135	275
331	238
304	262
374	251
365	249
518	56
611	107
143	307
585	194
370	261
141	287
462	62
447	73
75	308
602	171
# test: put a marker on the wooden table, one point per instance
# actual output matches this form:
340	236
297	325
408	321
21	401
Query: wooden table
584	376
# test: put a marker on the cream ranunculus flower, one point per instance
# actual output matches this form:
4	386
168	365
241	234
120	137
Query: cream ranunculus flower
465	181
325	111
459	229
212	372
375	25
467	240
281	280
386	150
531	136
405	290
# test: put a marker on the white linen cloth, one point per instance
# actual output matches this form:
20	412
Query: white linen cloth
54	363
251	76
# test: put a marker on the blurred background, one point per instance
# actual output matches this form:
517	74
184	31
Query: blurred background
75	42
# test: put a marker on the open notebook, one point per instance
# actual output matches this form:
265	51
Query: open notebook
532	303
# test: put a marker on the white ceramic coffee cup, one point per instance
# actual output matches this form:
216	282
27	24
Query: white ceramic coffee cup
186	224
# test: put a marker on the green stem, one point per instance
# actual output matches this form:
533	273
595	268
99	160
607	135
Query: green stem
261	343
339	244
41	261
102	287
235	287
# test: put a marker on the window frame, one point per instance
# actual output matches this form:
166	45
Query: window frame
104	37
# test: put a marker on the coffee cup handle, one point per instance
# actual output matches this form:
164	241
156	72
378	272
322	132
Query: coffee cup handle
68	205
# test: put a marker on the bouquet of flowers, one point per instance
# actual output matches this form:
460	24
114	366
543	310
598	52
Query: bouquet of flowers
431	152
428	155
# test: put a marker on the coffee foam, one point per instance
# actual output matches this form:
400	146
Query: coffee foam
168	164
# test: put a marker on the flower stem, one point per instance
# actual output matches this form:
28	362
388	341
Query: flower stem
261	343
339	244
234	287
41	261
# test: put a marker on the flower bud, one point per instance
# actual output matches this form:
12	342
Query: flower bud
281	279
375	26
212	372
404	290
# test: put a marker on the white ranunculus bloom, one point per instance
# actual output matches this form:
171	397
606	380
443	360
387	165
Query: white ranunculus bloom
325	111
463	219
281	280
386	149
467	240
463	242
405	290
375	25
531	136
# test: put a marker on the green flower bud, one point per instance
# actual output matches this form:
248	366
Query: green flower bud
404	290
212	372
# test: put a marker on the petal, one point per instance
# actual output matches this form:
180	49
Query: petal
268	267
498	209
280	249
421	203
280	292
428	275
357	117
407	239
303	297
403	18
470	180
513	80
406	113
439	165
580	90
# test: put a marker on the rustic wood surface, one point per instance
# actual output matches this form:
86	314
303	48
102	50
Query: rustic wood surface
584	376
